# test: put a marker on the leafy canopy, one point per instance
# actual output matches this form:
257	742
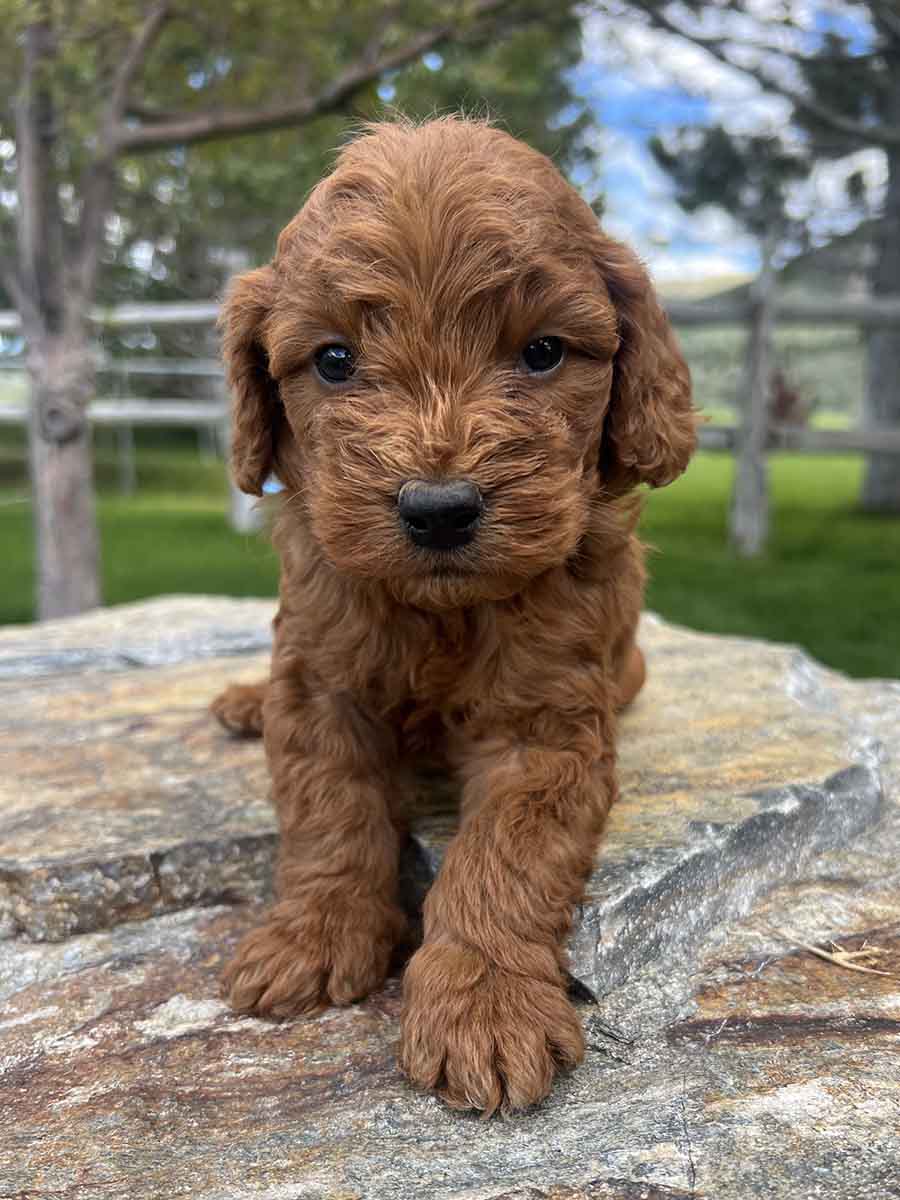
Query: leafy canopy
184	216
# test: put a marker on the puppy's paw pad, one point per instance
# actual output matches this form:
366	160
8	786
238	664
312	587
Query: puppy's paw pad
273	974
239	709
482	1037
304	963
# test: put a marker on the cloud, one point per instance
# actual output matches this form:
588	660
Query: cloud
822	200
641	82
674	267
641	210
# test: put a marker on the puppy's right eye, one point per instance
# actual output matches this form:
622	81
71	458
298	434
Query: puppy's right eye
543	355
335	363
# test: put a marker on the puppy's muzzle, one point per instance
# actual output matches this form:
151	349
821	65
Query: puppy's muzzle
440	516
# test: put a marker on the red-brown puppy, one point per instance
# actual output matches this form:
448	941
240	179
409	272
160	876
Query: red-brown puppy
459	379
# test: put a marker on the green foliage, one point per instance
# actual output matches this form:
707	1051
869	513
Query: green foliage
237	194
747	176
521	82
185	217
854	83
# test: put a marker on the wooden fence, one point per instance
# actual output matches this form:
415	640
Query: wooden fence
124	413
750	441
757	433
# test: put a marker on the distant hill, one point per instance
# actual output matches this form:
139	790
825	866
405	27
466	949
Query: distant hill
839	270
701	289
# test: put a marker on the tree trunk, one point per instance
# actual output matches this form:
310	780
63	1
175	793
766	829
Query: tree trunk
881	486
60	364
66	537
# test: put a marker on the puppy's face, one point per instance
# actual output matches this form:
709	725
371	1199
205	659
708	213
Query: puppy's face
449	367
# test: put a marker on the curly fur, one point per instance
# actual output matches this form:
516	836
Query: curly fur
438	251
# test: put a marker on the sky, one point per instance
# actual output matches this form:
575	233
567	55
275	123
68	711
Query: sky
639	82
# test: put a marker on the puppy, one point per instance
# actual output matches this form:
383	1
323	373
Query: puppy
460	381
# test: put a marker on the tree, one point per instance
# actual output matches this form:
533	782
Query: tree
105	85
838	64
750	177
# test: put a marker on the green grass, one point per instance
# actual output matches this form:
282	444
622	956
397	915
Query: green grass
172	536
151	544
829	582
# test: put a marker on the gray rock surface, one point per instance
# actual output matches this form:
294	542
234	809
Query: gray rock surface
133	635
760	816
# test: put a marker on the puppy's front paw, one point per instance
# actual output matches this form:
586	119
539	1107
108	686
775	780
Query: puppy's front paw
239	709
480	1036
302	961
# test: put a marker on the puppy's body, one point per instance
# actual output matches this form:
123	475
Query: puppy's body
502	644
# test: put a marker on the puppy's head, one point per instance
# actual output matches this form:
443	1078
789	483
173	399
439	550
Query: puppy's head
449	367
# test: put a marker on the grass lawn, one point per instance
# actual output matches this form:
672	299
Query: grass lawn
831	578
830	581
171	536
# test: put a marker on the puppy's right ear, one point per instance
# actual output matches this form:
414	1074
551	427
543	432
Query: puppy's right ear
651	425
254	404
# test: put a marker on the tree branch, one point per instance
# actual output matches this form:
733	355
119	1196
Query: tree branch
887	16
134	59
98	178
16	290
369	67
871	135
38	219
140	112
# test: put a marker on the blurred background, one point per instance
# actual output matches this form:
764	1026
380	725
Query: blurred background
750	151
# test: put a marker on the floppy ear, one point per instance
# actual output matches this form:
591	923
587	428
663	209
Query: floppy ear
255	410
650	430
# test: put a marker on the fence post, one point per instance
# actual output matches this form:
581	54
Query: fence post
127	465
244	514
245	511
750	500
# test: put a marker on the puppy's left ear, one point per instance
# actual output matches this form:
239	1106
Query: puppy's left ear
651	425
255	410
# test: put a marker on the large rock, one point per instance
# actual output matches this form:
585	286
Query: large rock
759	815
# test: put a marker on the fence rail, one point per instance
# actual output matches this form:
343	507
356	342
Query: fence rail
802	440
123	316
869	313
866	312
164	413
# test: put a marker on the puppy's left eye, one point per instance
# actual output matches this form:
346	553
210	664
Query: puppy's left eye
334	363
543	354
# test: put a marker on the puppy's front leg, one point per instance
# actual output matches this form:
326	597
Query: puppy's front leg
329	936
487	1022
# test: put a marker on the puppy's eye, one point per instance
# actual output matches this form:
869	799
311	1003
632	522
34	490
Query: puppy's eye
335	363
543	354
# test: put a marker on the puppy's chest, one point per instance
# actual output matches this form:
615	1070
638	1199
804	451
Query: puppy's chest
450	678
464	674
445	667
444	700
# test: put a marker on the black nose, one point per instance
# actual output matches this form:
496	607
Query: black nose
440	516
